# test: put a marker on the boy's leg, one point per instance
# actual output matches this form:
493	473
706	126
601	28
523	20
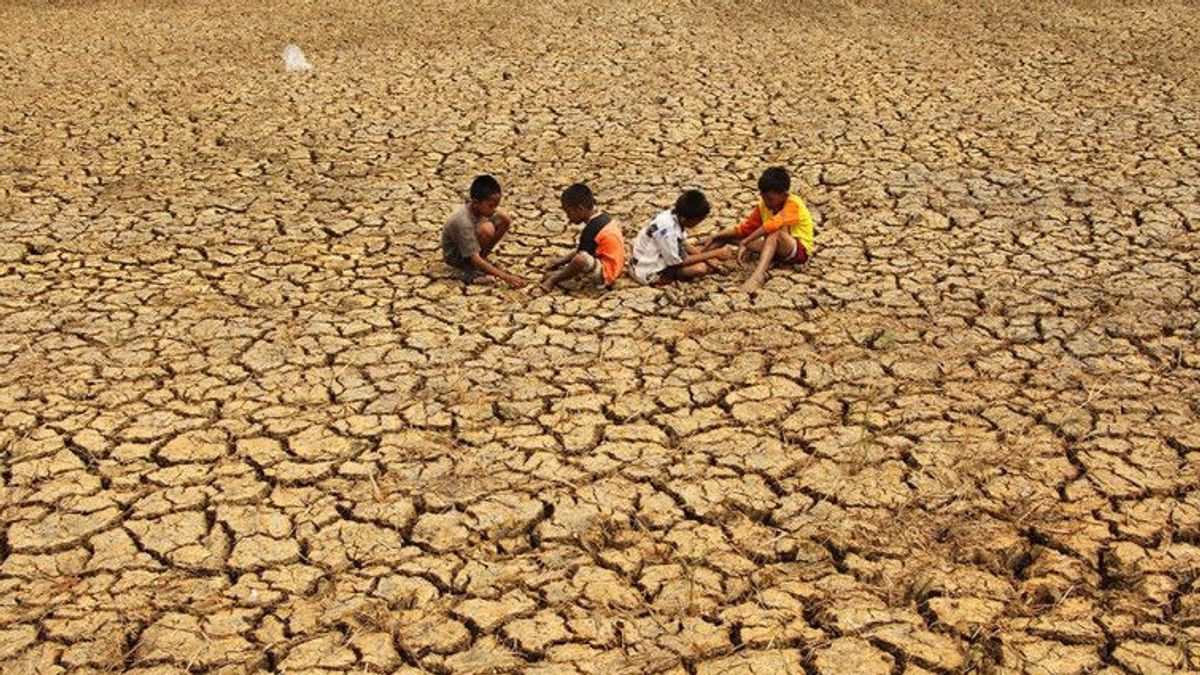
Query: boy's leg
681	273
485	232
778	245
491	231
712	265
721	238
580	262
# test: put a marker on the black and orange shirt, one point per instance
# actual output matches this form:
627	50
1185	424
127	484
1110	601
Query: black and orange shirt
601	238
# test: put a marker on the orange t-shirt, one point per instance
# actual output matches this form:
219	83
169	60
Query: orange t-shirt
610	251
794	216
602	238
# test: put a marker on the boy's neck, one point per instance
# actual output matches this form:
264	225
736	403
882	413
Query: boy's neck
588	215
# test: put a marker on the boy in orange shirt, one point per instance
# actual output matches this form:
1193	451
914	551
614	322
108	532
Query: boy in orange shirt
601	250
779	229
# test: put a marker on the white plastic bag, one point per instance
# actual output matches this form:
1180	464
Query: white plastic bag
293	59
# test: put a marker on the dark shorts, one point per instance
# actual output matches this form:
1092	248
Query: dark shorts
464	272
669	275
798	257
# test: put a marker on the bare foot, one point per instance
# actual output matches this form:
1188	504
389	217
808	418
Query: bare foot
752	284
545	285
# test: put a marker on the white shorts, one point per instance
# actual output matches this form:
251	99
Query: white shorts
593	269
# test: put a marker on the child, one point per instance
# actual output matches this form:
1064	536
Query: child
662	254
472	232
780	228
601	250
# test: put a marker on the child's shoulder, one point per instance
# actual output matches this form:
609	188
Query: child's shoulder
612	227
664	220
460	212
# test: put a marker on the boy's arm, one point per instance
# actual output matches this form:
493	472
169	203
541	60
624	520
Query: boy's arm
705	256
744	244
670	245
483	265
749	224
721	237
789	215
757	234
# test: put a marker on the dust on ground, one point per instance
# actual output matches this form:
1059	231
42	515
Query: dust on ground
249	421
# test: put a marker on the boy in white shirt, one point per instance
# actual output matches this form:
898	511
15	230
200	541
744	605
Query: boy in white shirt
662	254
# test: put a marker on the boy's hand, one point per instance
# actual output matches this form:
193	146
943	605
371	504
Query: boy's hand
516	281
742	251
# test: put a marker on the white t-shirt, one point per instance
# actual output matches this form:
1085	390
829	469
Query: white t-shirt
659	245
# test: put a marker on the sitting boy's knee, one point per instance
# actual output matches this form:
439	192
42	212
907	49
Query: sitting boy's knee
486	230
580	260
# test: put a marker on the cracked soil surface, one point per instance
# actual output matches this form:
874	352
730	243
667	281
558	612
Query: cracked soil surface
250	421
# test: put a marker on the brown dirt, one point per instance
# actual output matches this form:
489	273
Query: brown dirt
250	421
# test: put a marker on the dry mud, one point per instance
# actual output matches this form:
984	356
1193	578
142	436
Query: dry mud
250	422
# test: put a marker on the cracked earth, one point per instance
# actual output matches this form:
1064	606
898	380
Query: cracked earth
251	422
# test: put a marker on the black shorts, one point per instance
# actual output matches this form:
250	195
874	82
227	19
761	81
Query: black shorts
464	271
674	272
669	275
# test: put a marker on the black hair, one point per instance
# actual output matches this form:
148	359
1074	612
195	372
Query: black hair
774	179
692	204
578	194
484	186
